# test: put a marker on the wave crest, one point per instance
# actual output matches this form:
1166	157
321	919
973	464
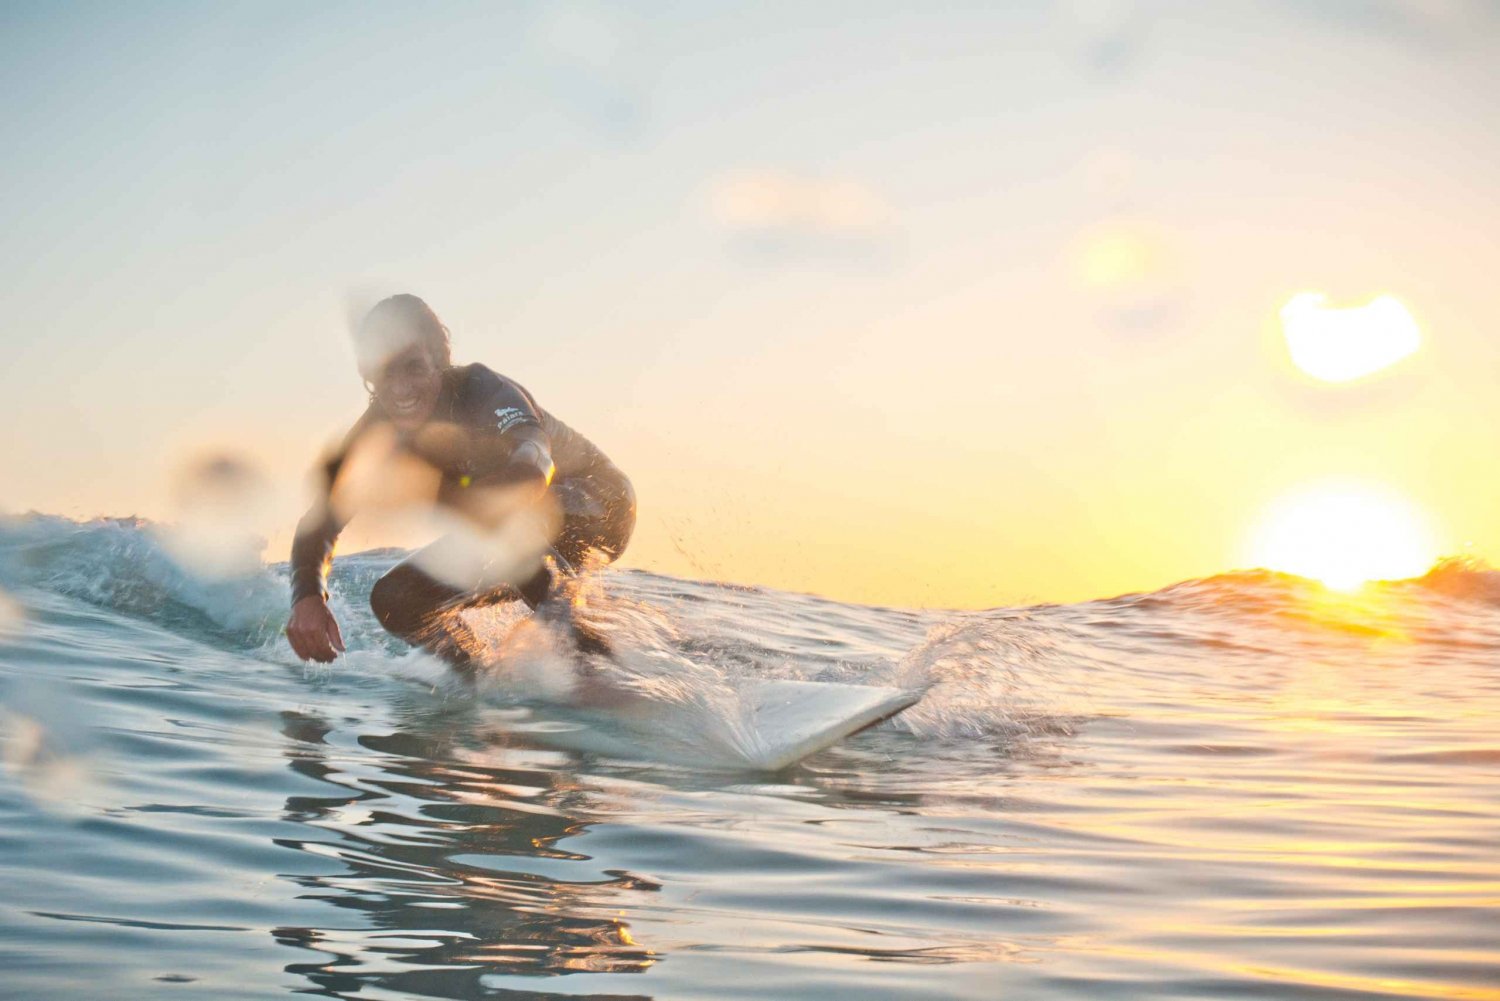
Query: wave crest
128	565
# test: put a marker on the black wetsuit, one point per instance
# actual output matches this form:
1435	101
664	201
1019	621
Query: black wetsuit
502	438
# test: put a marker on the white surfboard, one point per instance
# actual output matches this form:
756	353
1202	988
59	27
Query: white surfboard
791	719
774	724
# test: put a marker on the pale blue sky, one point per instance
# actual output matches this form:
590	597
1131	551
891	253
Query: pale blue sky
192	191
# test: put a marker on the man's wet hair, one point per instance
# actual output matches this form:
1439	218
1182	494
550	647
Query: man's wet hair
395	323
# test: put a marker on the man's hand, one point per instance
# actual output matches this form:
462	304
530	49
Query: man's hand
313	631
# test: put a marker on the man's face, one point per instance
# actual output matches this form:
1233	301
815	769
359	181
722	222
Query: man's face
407	387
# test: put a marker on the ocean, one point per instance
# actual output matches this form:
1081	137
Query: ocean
1247	786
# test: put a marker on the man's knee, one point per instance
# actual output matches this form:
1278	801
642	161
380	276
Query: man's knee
401	604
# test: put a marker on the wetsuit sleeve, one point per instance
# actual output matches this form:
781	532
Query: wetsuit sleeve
312	551
318	531
506	439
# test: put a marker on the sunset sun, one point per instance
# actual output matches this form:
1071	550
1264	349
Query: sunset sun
1343	534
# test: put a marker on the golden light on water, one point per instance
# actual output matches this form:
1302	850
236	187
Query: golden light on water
1344	534
1340	345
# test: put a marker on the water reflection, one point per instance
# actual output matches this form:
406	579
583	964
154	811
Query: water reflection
451	868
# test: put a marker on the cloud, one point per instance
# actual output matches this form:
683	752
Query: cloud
582	35
1441	21
767	201
1132	271
591	58
780	215
1111	34
1108	178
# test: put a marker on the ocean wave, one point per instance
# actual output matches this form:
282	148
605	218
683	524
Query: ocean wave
1004	672
1467	579
127	565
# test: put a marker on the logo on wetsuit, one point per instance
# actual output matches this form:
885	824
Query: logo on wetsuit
509	418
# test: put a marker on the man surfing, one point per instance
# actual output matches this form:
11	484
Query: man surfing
481	451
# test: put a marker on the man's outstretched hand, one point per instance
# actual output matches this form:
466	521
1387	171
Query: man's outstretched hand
313	631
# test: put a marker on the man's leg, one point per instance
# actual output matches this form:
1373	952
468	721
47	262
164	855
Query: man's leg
419	608
579	540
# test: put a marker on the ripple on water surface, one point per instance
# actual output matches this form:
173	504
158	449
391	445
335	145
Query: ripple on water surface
1208	792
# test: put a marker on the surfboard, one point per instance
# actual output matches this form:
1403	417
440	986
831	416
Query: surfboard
774	724
792	719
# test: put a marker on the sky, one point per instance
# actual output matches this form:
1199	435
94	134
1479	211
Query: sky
951	305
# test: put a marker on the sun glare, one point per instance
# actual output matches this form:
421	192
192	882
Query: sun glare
1340	345
1344	534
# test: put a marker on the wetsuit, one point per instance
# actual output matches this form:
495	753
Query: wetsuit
498	437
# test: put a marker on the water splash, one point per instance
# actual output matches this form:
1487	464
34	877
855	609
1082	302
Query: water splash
1006	675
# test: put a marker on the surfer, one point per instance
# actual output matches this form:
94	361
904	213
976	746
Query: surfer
492	456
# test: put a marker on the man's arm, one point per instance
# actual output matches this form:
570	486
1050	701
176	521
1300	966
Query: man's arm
312	629
312	551
508	442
